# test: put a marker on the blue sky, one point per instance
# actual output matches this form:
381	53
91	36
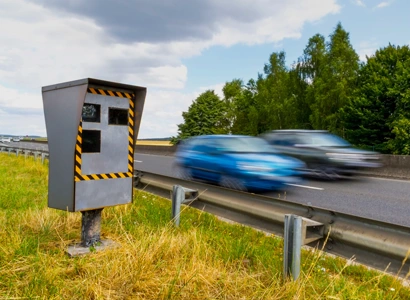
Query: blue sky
370	28
177	49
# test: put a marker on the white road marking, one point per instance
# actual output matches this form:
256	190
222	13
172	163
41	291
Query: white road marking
388	179
137	160
307	187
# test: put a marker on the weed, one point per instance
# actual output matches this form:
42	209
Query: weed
204	258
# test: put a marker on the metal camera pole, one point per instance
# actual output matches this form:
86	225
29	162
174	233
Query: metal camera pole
91	227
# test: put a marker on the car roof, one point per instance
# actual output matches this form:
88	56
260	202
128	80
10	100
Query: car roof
219	136
297	131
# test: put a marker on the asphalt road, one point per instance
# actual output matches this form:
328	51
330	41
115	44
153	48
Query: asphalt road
28	145
380	199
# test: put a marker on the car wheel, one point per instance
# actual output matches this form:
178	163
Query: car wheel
183	172
232	183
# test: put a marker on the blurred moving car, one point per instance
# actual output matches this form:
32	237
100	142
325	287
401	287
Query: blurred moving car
235	161
5	139
326	155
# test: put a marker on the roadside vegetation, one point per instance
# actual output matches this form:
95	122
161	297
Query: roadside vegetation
139	142
328	87
154	142
205	258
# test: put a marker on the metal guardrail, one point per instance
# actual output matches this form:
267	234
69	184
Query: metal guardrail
394	166
374	243
26	152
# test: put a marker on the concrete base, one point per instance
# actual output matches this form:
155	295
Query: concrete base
78	249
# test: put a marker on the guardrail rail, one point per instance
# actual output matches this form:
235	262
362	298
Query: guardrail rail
381	245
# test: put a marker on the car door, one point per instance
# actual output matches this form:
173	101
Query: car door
205	161
292	144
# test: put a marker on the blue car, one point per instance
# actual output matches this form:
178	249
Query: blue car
237	162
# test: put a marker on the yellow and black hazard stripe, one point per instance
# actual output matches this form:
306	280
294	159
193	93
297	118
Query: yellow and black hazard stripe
110	93
131	136
78	150
78	176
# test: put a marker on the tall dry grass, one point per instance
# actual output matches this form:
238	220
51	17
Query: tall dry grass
153	143
204	258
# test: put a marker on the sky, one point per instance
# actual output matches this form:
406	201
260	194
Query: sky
177	49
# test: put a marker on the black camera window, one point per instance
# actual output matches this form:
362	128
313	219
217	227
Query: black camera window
91	141
91	112
117	116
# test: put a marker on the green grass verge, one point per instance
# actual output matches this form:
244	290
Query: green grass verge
204	258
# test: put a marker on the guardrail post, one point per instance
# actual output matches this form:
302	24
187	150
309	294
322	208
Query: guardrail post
36	154
292	246
43	157
181	195
137	177
17	152
298	231
26	152
9	149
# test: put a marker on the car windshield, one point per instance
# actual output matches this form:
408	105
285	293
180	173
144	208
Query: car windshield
326	140
245	144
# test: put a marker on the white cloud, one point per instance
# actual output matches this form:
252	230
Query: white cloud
217	88
383	4
22	124
278	23
21	113
359	3
45	46
367	48
163	112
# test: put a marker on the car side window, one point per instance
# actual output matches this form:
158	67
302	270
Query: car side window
288	141
203	146
283	140
275	140
221	146
305	140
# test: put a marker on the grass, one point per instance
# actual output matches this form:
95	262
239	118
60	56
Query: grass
204	258
153	143
139	142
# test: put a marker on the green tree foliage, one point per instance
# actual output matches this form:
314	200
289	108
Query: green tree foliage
206	115
242	110
327	88
273	94
233	92
311	66
334	78
280	97
378	115
298	102
313	60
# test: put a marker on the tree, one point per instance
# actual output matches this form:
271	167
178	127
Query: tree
273	92
313	60
242	112
233	93
378	115
274	99
298	104
206	115
334	80
311	66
